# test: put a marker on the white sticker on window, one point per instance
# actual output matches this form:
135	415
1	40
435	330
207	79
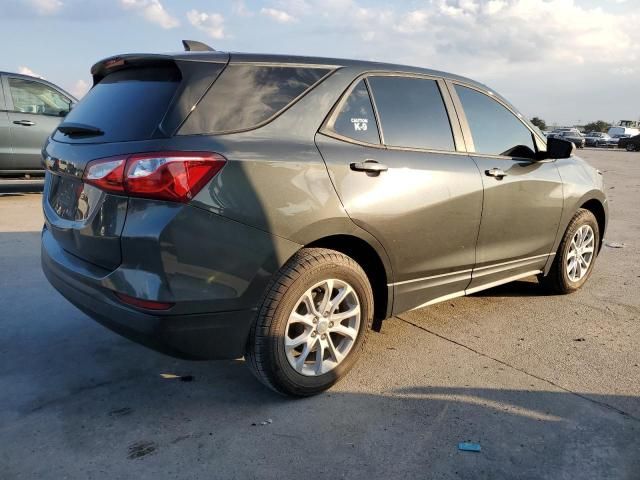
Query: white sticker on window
359	124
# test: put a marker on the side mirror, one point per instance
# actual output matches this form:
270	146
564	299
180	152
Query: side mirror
558	148
64	113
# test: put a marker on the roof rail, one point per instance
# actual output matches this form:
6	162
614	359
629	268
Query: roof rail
195	46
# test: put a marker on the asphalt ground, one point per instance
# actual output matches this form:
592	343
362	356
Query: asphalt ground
549	386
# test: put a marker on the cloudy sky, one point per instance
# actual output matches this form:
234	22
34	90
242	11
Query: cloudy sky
566	61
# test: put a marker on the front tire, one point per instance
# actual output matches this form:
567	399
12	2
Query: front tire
576	254
312	324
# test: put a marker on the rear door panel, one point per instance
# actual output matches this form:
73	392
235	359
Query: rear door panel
425	210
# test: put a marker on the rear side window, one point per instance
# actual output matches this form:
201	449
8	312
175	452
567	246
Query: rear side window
412	113
126	105
495	130
356	119
244	96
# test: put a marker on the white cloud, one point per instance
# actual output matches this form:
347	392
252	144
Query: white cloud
529	50
210	23
240	8
279	16
80	88
27	71
153	11
46	7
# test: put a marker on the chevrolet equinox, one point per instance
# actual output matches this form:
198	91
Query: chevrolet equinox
217	205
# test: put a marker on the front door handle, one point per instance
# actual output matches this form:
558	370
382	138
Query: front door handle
495	172
369	166
26	123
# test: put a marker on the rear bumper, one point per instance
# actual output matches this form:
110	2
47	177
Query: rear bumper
220	335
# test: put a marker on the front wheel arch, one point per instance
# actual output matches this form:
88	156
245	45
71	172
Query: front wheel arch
597	208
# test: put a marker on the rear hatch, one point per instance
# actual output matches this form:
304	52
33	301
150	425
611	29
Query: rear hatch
136	104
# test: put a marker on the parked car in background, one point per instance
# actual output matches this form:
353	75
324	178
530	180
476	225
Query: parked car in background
617	131
615	140
599	139
30	110
592	139
574	137
220	205
631	144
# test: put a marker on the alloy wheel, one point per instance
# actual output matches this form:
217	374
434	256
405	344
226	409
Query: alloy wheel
322	328
580	253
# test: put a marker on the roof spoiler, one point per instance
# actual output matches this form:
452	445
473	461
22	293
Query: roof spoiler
195	46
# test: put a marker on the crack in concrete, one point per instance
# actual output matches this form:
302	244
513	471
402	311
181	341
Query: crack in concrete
533	375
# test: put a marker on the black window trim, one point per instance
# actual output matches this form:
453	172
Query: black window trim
539	143
331	70
8	98
327	126
454	123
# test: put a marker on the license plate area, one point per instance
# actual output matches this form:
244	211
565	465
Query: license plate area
68	197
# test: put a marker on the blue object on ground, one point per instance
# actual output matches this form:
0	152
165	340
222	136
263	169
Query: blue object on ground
469	447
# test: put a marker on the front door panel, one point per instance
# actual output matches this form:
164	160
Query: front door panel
28	133
520	218
6	155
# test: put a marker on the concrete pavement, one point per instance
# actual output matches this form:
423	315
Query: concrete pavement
548	385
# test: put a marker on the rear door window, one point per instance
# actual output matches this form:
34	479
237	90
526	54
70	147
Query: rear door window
126	105
245	96
356	119
495	130
412	113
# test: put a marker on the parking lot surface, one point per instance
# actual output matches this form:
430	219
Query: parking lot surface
549	386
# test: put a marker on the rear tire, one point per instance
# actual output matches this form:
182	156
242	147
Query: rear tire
303	341
630	147
578	249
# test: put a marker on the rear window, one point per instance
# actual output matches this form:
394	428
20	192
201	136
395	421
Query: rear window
126	105
247	95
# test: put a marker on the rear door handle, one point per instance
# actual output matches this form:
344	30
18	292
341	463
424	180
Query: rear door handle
26	123
495	172
369	166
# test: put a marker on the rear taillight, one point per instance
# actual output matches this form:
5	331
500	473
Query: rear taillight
174	176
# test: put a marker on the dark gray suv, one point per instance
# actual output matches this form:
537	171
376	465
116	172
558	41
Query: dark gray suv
213	205
30	109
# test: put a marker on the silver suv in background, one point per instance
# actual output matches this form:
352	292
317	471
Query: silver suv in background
30	110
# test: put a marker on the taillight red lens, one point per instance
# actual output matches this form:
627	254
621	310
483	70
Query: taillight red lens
106	174
174	176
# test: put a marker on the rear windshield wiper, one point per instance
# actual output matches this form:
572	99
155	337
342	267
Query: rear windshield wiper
79	129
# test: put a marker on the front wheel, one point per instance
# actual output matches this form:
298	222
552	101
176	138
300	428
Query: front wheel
312	324
576	254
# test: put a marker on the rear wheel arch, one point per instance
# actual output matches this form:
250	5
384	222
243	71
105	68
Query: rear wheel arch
372	264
